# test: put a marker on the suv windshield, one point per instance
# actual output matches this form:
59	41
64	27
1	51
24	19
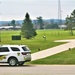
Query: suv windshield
25	48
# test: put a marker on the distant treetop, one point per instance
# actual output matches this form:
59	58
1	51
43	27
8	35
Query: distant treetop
27	16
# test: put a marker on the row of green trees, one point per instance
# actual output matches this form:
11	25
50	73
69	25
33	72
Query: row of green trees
39	23
51	25
28	30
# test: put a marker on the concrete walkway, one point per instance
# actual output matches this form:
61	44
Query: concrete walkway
54	50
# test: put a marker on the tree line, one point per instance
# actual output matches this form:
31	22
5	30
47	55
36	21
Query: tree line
28	29
40	23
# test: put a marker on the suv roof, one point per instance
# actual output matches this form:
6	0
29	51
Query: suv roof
12	45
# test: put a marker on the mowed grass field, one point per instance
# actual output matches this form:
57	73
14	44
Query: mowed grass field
67	57
38	41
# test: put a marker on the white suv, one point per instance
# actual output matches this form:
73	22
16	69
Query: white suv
14	54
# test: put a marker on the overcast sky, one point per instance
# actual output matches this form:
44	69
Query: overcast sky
16	9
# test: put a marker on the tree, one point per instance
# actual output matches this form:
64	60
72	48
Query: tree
13	24
70	22
40	22
73	18
27	30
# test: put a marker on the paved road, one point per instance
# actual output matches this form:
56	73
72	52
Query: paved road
54	50
38	70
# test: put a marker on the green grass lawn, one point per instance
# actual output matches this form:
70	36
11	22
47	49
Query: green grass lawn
66	57
38	41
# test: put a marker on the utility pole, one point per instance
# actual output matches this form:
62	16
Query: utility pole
59	13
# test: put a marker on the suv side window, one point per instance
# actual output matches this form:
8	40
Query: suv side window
15	49
25	48
4	49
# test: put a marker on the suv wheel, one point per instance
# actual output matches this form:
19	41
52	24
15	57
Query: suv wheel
13	61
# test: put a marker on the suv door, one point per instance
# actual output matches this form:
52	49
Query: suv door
4	51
